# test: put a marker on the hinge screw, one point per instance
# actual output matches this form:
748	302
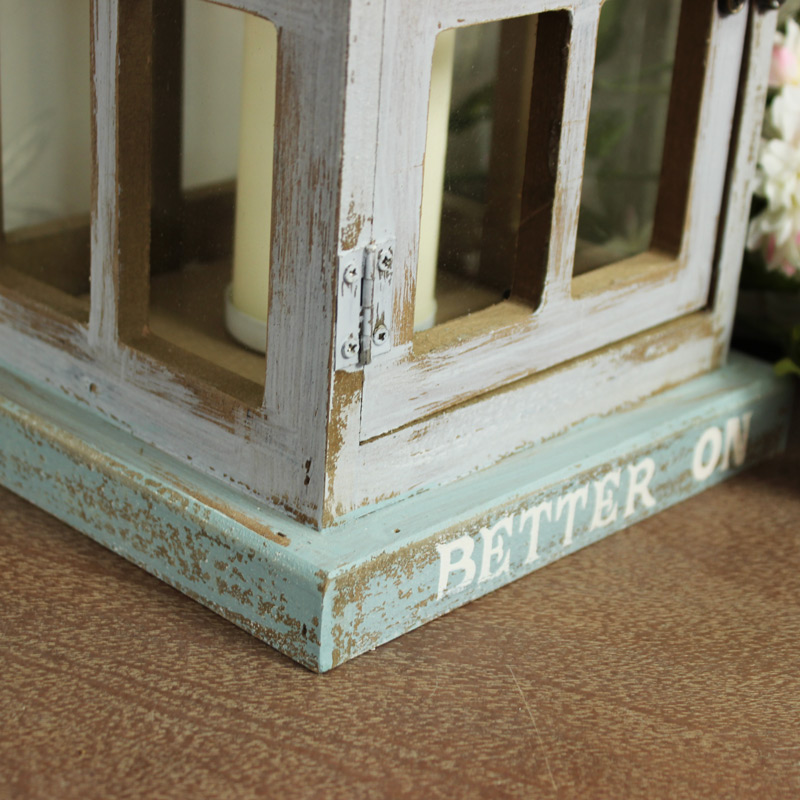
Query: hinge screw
350	347
380	335
350	275
731	6
385	259
770	5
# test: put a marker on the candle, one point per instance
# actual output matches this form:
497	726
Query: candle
433	179
246	304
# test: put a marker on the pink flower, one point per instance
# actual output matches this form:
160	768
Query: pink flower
784	66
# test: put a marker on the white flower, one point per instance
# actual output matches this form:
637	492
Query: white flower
776	230
779	175
777	236
783	116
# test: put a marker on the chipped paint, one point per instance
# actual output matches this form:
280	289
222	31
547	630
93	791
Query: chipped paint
322	598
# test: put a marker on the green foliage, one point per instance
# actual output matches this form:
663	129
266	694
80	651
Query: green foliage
475	108
609	33
607	128
756	276
791	364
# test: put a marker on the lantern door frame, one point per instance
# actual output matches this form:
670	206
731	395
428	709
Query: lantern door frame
460	360
463	406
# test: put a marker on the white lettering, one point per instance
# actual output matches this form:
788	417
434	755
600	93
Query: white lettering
494	548
639	478
534	516
702	468
605	503
447	566
736	437
570	502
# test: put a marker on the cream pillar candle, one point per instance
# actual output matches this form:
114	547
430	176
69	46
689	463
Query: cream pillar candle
246	305
433	179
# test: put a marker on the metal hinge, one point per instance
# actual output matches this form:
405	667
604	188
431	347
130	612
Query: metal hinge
364	305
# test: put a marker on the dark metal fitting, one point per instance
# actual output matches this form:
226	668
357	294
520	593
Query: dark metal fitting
731	6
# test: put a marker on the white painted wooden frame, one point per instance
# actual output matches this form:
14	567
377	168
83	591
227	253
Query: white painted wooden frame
451	443
276	450
492	348
348	172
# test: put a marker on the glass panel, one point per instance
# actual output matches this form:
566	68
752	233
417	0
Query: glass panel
212	189
627	126
46	145
474	165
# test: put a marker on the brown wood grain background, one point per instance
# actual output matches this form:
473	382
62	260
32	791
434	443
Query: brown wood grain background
662	662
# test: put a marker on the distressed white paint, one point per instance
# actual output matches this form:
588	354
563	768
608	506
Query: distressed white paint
349	172
630	297
474	435
459	559
737	210
276	454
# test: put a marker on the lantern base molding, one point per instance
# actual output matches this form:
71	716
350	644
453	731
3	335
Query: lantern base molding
324	597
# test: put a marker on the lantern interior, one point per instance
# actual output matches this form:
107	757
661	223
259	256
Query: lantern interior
199	121
46	153
634	65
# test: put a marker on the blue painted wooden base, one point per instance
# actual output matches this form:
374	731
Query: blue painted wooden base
324	597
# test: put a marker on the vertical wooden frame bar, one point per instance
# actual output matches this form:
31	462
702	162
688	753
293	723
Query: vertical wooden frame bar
512	101
310	108
545	114
166	235
575	127
683	119
103	314
554	169
121	239
741	174
135	49
356	213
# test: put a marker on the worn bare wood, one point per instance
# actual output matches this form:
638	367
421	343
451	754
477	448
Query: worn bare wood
167	129
207	223
512	103
56	253
657	663
134	114
546	112
38	297
187	309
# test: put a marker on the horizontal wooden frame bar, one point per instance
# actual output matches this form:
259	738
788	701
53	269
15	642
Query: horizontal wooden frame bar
480	432
499	345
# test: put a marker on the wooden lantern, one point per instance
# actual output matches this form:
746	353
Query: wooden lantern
373	470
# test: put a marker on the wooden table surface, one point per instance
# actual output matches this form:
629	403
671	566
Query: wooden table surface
661	662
